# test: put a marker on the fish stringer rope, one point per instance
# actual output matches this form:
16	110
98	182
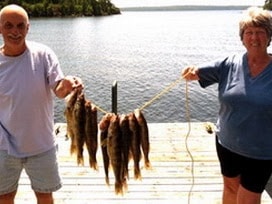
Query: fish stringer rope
165	90
188	118
100	109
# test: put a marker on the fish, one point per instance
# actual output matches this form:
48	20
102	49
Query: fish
95	131
79	127
125	138
103	127
144	136
69	115
91	132
135	150
114	145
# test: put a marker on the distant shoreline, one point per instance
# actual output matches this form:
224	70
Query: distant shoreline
184	8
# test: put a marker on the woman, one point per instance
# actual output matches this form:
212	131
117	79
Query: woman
244	126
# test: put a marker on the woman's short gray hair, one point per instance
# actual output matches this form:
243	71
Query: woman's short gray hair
257	17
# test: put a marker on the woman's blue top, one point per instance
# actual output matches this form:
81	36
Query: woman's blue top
244	123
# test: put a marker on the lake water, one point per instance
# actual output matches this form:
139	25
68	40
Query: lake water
144	52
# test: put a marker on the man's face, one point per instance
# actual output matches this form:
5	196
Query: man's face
14	28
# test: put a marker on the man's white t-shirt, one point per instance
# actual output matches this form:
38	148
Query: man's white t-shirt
26	100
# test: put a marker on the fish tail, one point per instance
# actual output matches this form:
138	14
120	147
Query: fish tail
119	188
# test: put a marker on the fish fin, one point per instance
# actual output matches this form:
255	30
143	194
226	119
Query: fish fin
104	142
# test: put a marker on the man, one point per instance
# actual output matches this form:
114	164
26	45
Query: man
29	73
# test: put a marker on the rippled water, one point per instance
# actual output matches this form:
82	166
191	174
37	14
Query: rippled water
144	52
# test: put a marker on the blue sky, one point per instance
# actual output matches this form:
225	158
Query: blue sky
131	3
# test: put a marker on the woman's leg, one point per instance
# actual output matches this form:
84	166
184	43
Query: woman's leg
245	196
230	190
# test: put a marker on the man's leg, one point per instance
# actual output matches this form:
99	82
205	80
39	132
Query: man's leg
10	171
42	170
44	198
8	198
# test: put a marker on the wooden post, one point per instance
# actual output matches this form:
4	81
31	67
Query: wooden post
114	97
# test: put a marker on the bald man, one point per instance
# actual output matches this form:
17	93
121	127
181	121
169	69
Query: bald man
29	75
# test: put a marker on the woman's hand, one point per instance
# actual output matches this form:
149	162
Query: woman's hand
190	73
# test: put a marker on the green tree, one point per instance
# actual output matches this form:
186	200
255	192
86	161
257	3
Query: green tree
49	8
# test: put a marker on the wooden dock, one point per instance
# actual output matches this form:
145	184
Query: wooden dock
174	177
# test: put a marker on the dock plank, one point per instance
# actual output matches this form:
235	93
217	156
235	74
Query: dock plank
173	177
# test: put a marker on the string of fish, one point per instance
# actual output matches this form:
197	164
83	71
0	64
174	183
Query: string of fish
93	163
188	118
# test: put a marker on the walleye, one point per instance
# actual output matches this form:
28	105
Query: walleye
114	145
135	144
144	136
121	138
103	126
79	127
125	139
69	114
91	133
81	118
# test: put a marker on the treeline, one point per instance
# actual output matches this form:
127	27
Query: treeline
62	8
